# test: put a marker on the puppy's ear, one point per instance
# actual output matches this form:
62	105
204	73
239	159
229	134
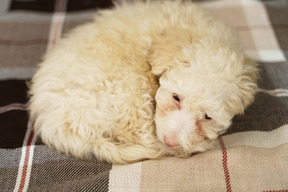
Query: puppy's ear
161	58
247	87
251	69
249	81
166	49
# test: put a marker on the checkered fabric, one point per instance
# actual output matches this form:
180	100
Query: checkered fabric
251	156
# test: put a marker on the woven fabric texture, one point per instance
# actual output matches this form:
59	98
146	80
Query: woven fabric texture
251	156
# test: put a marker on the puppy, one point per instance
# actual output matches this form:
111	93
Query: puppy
144	80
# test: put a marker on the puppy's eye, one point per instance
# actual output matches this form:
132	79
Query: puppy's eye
176	98
207	117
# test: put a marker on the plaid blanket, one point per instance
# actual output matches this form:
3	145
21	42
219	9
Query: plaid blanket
251	156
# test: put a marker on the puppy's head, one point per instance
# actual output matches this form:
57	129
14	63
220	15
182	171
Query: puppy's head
201	88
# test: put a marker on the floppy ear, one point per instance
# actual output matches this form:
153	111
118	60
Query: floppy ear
167	48
251	69
160	59
249	81
247	86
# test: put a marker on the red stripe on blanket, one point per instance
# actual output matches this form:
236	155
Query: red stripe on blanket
224	162
25	166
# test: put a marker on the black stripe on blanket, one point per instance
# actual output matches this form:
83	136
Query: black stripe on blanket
13	114
49	5
13	128
13	91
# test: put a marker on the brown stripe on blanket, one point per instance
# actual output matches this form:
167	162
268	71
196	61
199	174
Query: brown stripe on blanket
8	176
249	170
23	43
201	172
273	75
70	175
59	175
278	14
28	27
21	56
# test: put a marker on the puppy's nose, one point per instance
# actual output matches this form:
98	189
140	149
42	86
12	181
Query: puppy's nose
171	142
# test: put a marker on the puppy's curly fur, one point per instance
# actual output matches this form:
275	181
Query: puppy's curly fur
95	92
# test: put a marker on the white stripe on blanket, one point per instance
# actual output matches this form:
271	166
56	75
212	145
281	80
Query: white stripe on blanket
57	23
275	92
261	139
266	55
26	160
125	178
13	106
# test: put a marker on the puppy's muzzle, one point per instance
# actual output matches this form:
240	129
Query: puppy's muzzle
171	141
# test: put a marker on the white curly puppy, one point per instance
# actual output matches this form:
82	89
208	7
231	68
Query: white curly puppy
144	80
